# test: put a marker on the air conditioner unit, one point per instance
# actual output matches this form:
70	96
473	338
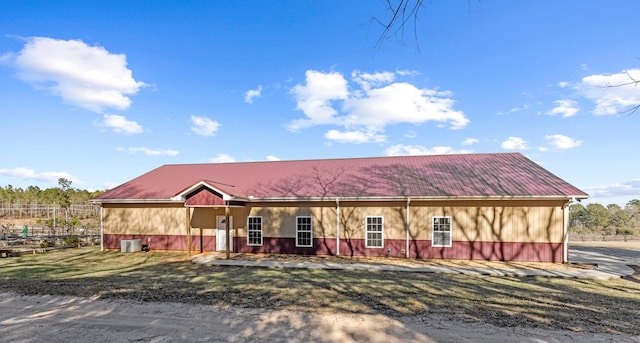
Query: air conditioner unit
130	245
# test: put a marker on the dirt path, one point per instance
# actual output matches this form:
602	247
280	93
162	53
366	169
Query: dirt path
71	319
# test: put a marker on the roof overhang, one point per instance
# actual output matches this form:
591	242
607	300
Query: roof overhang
418	198
135	201
233	201
182	195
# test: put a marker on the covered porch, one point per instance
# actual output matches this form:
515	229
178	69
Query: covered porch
207	207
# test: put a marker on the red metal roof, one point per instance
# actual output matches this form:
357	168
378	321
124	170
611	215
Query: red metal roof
446	176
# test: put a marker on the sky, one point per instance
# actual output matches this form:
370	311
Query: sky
100	92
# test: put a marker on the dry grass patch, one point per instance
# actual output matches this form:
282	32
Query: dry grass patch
409	262
609	306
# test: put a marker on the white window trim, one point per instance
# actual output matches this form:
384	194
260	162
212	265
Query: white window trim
261	232
366	233
311	232
450	232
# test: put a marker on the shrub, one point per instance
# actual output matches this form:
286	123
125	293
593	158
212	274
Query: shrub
625	231
72	240
47	244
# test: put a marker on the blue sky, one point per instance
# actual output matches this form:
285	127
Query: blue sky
100	92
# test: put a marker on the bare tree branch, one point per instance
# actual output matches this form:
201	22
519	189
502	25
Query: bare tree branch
401	13
631	110
632	82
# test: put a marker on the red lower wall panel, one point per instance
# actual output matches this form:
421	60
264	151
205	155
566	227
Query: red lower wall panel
497	251
163	242
493	251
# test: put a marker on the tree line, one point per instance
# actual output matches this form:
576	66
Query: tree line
64	195
610	220
60	209
593	218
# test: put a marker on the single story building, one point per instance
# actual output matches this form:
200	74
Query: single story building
499	206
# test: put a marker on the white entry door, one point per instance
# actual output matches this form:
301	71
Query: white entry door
221	233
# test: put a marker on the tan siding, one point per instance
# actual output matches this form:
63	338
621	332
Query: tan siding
279	220
148	219
204	217
353	219
473	221
537	222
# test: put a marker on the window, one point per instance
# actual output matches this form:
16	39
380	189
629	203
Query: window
374	232
441	232
254	231
304	232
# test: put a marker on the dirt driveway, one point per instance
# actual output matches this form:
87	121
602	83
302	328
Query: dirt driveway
71	319
77	319
629	252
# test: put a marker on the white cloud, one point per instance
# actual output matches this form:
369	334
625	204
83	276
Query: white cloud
316	96
375	101
7	58
367	80
204	126
401	149
563	84
566	108
612	93
562	141
30	174
406	72
627	188
402	102
524	107
470	141
86	76
514	143
272	158
251	94
354	136
222	158
120	124
149	152
411	134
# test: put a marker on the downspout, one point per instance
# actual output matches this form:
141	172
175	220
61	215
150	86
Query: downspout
565	231
406	228
188	226
101	230
337	227
227	232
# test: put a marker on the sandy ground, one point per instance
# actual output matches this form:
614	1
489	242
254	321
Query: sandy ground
70	319
620	244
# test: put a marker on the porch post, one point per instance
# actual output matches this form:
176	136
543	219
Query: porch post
406	229
337	227
227	231
565	232
101	228
188	225
201	241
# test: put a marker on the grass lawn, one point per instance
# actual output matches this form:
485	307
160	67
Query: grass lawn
605	306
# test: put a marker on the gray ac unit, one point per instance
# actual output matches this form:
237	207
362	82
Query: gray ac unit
130	245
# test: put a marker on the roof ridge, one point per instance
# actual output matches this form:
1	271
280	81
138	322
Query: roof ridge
346	158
